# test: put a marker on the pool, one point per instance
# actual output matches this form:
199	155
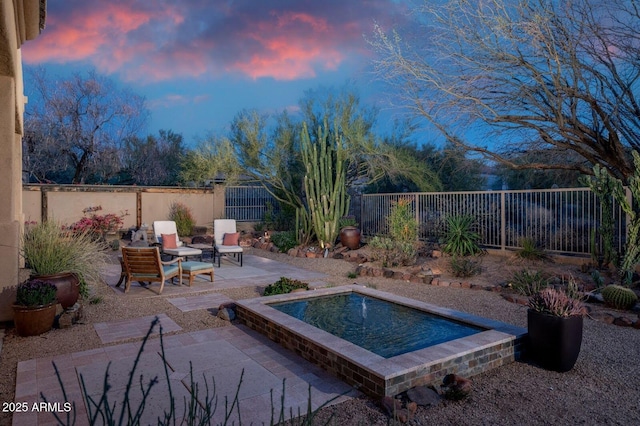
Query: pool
492	345
384	328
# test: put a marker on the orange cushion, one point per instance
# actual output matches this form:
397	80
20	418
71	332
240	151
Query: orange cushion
231	239
169	241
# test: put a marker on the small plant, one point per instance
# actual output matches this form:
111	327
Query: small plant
284	285
402	223
619	297
459	238
531	250
183	217
528	283
284	240
114	245
597	278
555	302
393	253
352	275
465	266
347	221
36	292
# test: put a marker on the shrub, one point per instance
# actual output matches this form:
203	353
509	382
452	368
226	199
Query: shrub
284	285
555	302
459	237
464	266
402	223
531	250
284	240
527	283
392	253
183	217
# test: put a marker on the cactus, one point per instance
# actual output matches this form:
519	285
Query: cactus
619	297
325	187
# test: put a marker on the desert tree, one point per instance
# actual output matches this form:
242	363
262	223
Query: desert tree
154	160
80	122
500	77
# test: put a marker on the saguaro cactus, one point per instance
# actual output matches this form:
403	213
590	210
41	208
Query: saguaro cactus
325	183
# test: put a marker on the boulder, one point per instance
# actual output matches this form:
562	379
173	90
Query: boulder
424	396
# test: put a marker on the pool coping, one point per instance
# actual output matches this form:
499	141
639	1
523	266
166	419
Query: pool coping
373	374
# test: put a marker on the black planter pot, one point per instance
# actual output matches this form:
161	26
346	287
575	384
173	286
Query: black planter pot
554	342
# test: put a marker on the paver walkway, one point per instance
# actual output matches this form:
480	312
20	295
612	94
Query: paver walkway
222	354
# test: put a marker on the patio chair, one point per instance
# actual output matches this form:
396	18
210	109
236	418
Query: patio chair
166	234
226	240
144	264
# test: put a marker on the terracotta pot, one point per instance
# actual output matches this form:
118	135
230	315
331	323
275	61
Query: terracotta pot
33	320
68	286
350	237
554	341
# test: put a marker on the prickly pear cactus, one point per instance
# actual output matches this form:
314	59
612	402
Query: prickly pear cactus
619	297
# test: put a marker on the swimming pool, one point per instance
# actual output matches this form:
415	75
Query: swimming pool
495	344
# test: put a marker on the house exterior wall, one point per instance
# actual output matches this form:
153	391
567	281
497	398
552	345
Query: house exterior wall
20	20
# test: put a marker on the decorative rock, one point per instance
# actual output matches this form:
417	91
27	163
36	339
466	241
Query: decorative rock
387	273
456	285
623	322
226	314
70	316
397	275
376	272
466	285
456	387
395	410
637	324
424	396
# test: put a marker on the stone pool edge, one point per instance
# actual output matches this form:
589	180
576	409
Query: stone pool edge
374	375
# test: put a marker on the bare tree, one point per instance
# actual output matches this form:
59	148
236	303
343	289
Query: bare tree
154	160
80	123
527	77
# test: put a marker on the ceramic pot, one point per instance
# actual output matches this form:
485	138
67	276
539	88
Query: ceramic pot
68	286
350	237
33	320
554	341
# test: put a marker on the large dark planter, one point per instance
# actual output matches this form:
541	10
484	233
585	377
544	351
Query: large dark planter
68	286
554	341
33	320
350	237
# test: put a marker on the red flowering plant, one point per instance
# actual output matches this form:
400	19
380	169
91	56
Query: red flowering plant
96	224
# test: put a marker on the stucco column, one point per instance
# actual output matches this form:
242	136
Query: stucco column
10	170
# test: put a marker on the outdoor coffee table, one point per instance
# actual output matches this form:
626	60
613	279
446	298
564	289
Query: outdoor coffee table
206	248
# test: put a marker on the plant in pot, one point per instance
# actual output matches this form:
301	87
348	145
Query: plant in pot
35	308
555	329
70	260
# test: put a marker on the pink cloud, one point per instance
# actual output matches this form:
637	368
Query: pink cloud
158	40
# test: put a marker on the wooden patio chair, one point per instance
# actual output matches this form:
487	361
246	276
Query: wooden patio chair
144	264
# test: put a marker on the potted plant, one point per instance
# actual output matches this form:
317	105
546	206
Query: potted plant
35	308
555	329
68	259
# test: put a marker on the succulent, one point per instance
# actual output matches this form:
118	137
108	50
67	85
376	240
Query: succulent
619	297
555	302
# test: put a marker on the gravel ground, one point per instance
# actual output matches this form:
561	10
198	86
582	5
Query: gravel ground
603	387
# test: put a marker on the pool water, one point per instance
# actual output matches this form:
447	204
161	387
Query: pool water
384	328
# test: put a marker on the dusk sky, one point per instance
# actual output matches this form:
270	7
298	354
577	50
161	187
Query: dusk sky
199	62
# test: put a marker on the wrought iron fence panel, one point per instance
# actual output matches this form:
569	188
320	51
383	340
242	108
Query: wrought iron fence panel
249	203
558	220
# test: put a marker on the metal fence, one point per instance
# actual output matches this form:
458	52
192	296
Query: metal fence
248	203
560	220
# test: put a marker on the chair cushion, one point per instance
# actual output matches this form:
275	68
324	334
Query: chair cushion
170	269
231	239
229	249
169	241
184	251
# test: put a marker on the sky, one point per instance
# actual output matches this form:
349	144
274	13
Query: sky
199	62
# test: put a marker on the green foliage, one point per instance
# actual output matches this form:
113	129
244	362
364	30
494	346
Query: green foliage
619	297
598	279
347	221
459	236
49	249
284	240
402	223
183	217
36	292
325	182
528	283
114	245
464	266
284	285
531	250
391	252
555	302
352	275
603	185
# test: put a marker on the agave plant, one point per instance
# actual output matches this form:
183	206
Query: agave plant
460	238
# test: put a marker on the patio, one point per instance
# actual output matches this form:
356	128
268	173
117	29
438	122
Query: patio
221	353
